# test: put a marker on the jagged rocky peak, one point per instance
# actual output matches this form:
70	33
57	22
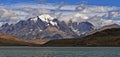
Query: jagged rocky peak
5	25
45	18
46	26
81	26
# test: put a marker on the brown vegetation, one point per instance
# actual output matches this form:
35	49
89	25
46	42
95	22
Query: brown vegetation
109	37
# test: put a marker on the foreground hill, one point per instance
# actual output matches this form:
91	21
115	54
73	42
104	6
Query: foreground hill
108	37
8	40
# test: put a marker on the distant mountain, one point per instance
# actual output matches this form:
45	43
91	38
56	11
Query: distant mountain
107	37
81	27
46	27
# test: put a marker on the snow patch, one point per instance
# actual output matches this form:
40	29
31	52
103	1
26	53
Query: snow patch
53	23
46	17
34	19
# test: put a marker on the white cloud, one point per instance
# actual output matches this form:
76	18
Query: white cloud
18	12
6	14
108	22
114	14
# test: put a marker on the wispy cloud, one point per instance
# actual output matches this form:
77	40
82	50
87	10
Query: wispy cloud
79	13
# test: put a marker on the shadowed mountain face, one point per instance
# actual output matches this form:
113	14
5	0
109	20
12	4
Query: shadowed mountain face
46	27
107	37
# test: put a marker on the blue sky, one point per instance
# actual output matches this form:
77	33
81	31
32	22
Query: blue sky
90	2
14	10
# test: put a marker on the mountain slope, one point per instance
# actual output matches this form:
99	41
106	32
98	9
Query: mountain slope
53	33
108	37
8	40
103	28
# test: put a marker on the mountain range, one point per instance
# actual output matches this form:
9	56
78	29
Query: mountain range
46	27
110	36
45	30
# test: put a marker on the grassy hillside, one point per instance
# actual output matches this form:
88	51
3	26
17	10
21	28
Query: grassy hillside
109	37
38	41
8	40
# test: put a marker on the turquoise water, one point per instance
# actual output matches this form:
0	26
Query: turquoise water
59	51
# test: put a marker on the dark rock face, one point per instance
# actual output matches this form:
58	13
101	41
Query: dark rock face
5	25
82	27
39	29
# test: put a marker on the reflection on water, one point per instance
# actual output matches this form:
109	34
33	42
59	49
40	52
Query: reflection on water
59	52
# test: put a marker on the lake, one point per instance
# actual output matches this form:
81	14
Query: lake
59	51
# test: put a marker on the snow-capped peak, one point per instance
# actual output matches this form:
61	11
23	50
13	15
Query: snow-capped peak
46	17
